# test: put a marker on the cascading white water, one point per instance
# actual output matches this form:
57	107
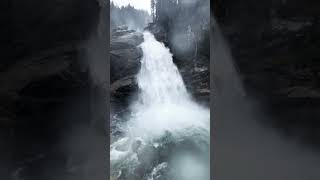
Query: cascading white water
159	78
163	107
164	104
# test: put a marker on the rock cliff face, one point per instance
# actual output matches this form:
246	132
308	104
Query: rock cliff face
276	46
125	58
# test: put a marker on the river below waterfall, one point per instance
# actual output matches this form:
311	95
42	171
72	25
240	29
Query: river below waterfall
165	135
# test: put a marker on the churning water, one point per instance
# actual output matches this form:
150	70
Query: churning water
167	134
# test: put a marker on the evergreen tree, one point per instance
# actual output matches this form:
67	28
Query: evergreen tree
128	16
153	9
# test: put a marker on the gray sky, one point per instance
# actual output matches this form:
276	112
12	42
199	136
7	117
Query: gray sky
138	4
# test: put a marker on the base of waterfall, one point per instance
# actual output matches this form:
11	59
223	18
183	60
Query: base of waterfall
165	141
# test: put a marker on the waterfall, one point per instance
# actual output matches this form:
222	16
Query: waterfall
163	115
159	79
164	103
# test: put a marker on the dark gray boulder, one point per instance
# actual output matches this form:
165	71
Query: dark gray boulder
125	55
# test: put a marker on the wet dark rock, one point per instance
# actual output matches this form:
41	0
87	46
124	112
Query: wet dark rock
159	32
125	58
136	145
126	40
125	55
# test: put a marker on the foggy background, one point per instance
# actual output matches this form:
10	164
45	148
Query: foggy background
244	144
53	97
129	14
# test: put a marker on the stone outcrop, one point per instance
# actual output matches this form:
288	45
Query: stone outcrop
125	55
